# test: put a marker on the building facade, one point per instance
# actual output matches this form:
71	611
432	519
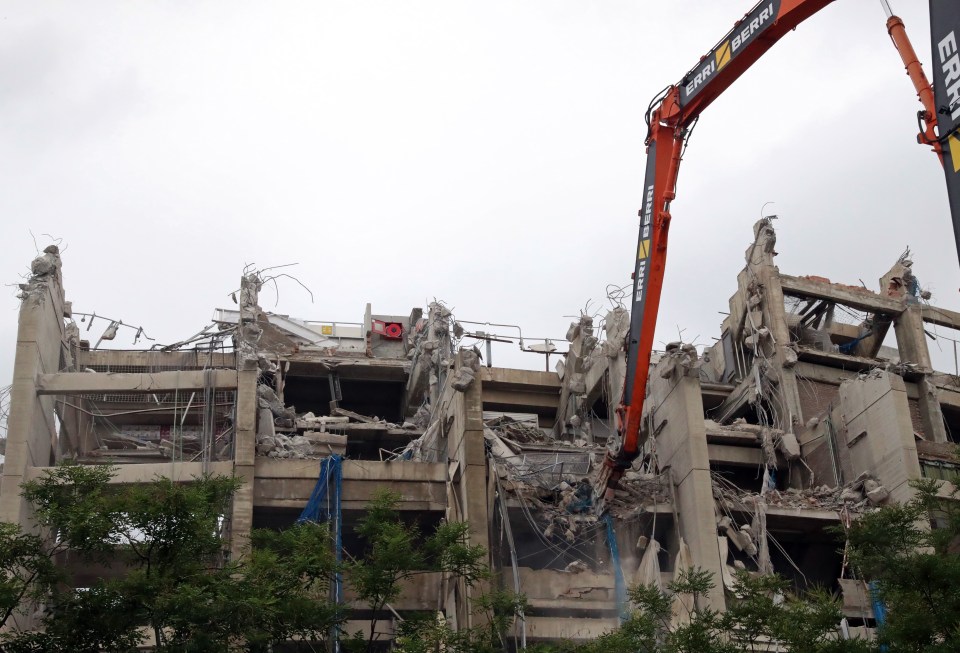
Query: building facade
798	419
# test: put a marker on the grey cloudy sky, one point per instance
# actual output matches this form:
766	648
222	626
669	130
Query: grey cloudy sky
486	153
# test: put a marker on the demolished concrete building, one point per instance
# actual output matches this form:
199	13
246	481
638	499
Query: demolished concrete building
797	419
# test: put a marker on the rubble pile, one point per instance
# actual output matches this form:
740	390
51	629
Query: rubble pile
858	495
564	511
283	433
638	492
517	431
282	446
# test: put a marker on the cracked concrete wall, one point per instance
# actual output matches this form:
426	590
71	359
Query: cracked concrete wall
878	432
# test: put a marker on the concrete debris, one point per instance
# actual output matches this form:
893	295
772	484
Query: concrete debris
639	492
420	420
552	479
301	446
681	358
617	326
47	263
463	378
282	415
430	349
740	538
789	446
250	332
266	444
521	432
851	495
44	269
854	496
767	447
878	495
576	567
266	428
313	436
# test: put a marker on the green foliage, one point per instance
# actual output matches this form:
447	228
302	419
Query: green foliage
177	581
27	571
286	585
432	633
916	568
760	614
396	551
75	502
764	609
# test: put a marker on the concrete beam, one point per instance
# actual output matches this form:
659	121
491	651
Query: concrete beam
941	317
520	399
310	364
726	454
154	359
832	375
181	472
416	593
69	383
355	470
510	379
567	628
834	359
863	300
289	483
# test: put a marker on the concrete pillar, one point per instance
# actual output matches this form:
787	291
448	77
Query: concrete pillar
681	445
241	517
574	390
475	497
878	433
912	344
779	352
31	428
911	340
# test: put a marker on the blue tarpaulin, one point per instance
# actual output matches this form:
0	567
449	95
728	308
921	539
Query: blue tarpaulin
619	582
323	507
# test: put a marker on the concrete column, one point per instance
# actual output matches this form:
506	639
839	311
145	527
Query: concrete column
911	340
468	496
241	517
779	352
31	428
912	344
474	495
682	446
878	432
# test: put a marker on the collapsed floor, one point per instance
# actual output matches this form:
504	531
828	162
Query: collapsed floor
798	419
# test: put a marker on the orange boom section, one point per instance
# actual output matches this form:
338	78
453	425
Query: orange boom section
670	120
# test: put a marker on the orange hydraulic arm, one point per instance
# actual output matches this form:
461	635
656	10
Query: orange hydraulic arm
928	116
670	120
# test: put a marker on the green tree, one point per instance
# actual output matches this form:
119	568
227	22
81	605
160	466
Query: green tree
764	609
761	612
395	551
431	633
911	552
176	581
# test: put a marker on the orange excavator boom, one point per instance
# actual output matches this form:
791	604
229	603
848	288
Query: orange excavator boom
670	120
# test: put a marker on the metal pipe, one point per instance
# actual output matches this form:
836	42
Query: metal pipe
886	8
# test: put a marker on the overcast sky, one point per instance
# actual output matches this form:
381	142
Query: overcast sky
486	153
